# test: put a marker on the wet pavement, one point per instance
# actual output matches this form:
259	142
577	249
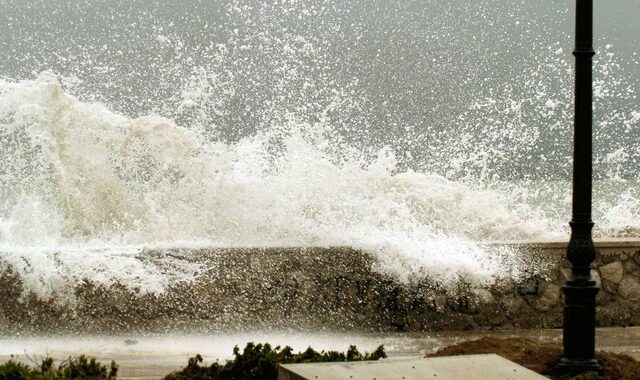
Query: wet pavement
152	357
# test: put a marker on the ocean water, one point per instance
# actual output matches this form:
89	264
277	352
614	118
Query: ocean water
413	131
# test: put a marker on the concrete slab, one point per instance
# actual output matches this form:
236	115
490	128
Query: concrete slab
468	367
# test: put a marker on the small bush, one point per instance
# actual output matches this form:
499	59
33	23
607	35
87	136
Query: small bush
12	370
72	368
260	362
86	368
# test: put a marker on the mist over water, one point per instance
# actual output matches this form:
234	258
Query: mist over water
411	130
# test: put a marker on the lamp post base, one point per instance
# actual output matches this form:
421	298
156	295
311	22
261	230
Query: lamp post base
579	325
575	367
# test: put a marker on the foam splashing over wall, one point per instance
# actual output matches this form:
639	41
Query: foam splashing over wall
394	130
107	182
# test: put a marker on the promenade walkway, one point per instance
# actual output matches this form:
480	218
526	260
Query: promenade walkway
151	357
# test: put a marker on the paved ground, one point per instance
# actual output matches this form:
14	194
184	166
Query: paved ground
151	357
468	367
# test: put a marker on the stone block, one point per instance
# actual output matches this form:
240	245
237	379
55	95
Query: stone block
440	302
629	289
496	317
484	297
596	277
514	307
613	272
605	258
603	298
630	267
549	297
529	287
636	258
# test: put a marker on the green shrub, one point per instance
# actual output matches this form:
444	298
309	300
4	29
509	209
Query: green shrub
260	362
72	368
86	368
12	370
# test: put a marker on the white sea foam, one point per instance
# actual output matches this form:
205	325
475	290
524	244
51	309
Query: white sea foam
86	189
271	136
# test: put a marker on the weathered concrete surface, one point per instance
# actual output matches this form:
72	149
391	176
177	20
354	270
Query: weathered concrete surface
467	367
327	288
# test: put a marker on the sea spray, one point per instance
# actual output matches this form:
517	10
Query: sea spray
96	188
412	131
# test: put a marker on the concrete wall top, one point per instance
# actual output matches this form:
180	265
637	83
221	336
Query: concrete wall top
599	243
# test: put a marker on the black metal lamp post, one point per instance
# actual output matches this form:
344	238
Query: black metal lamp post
580	290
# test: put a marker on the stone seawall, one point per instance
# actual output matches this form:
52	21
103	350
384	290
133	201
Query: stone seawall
537	301
326	288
